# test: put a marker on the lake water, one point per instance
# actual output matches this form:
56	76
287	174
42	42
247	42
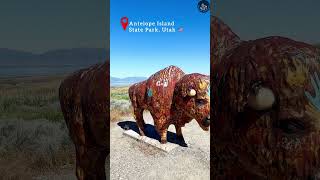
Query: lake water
34	71
47	71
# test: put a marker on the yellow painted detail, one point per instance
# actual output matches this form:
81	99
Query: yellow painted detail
297	76
203	85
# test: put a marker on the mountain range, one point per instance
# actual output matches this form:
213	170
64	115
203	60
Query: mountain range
20	63
114	81
60	57
15	63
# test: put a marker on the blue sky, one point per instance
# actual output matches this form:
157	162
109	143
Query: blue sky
142	54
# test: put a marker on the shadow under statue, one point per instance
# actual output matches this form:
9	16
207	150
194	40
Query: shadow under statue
151	132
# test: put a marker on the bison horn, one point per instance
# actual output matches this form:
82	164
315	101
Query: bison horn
261	99
192	92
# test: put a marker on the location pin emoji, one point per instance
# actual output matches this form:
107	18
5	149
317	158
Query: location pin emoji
124	22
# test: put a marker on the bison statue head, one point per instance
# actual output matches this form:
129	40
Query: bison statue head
267	106
192	98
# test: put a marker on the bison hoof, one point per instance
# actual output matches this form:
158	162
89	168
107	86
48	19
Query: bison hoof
142	133
183	144
181	141
163	141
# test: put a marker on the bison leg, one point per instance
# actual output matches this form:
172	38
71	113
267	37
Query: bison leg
162	128
163	135
140	122
79	169
180	136
90	163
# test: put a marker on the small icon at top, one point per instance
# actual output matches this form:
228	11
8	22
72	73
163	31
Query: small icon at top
203	6
124	22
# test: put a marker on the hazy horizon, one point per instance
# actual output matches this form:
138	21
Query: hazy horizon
15	63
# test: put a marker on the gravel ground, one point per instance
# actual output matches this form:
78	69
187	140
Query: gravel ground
131	159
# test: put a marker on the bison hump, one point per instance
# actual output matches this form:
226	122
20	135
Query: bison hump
160	87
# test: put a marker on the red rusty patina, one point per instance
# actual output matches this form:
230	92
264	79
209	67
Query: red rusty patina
84	100
172	97
266	110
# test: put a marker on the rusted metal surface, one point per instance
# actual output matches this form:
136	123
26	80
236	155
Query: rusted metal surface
84	100
172	97
266	109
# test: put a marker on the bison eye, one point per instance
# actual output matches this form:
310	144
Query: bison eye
201	102
292	126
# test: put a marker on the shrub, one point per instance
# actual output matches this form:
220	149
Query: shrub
119	109
44	145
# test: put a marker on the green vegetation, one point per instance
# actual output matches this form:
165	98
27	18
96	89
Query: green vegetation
119	93
119	103
30	98
33	134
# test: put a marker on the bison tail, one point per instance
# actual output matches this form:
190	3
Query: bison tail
133	98
63	102
131	93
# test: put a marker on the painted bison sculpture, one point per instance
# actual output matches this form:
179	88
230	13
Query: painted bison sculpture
266	107
84	100
172	97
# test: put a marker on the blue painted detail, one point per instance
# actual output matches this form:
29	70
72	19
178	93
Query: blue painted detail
208	91
149	92
316	85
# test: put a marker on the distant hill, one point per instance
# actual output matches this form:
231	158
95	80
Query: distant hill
114	81
20	63
75	56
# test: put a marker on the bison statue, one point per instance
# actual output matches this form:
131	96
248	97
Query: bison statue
266	109
84	100
172	97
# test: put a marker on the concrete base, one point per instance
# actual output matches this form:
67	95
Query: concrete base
155	143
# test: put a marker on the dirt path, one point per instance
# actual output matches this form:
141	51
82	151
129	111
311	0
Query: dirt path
131	159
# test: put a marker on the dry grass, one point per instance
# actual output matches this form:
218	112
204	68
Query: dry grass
33	147
15	168
30	98
116	115
33	136
120	105
34	139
